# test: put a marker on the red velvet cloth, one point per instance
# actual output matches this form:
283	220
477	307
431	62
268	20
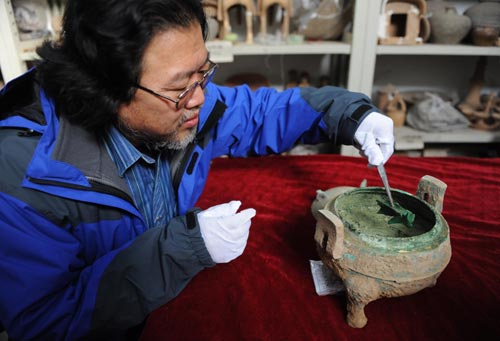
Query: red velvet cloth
268	293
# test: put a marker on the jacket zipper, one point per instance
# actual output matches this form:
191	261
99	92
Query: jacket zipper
180	159
96	186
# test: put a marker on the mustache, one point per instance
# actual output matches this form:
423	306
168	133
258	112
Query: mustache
155	143
189	114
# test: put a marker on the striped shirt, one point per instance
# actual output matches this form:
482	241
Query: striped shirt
149	180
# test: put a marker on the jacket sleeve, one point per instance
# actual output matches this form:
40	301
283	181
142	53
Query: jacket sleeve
56	286
268	121
133	284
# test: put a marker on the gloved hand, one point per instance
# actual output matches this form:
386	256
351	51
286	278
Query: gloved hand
224	231
375	138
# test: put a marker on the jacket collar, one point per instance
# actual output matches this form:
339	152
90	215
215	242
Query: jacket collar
69	154
66	154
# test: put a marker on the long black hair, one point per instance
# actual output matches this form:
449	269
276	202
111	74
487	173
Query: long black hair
92	70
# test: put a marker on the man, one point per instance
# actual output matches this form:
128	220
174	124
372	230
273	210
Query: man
104	150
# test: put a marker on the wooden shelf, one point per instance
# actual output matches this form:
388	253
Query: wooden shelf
334	47
362	53
438	49
409	138
224	51
27	49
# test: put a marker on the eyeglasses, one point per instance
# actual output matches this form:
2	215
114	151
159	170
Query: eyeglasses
188	92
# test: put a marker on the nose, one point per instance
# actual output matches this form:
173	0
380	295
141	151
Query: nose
196	99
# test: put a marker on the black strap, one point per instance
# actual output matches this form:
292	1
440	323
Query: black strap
215	115
190	220
201	140
360	111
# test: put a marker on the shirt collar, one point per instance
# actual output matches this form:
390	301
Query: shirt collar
123	153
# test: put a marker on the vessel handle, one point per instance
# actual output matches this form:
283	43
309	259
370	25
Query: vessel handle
330	233
431	190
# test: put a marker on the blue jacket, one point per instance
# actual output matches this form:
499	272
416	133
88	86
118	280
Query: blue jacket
75	255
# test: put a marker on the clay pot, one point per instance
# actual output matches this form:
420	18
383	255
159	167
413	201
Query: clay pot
328	22
485	36
437	6
213	28
385	96
449	27
485	17
484	14
375	259
425	29
420	4
396	110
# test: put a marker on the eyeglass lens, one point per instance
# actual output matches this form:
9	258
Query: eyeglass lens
207	77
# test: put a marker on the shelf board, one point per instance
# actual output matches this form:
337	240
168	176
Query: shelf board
438	49
27	49
323	47
468	135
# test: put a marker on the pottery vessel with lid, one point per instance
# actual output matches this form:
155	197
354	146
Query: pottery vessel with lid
375	258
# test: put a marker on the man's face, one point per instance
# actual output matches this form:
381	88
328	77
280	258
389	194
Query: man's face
172	61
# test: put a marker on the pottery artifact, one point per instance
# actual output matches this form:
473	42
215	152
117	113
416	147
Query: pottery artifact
264	5
485	18
485	14
449	27
402	22
223	7
375	258
213	25
437	6
328	21
396	110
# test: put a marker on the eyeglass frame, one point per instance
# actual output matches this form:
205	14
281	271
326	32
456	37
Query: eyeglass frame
206	78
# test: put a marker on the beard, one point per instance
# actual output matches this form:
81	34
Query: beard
155	142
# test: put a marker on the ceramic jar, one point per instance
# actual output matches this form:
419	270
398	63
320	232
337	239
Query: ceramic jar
396	110
449	27
485	17
435	6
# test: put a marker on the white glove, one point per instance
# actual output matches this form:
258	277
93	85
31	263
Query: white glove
224	231
375	136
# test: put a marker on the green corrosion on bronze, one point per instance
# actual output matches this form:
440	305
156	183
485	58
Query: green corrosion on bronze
398	213
360	208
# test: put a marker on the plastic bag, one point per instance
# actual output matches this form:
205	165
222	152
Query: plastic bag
432	113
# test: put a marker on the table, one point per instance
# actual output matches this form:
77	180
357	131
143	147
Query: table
268	292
